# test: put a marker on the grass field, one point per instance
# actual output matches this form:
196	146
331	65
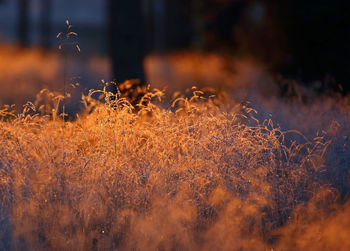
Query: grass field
177	172
198	175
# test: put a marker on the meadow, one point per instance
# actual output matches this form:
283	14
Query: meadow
235	167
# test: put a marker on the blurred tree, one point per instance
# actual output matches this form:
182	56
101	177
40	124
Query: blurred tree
23	22
45	22
126	39
304	40
178	24
157	27
169	24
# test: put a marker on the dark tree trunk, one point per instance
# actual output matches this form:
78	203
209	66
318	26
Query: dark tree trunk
178	23
159	25
126	39
23	22
45	22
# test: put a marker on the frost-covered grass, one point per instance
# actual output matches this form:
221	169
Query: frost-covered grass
201	173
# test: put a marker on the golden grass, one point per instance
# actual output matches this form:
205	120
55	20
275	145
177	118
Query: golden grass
196	176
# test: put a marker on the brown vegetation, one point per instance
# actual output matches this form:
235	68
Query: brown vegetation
201	175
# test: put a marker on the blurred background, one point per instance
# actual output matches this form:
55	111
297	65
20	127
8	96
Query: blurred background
281	48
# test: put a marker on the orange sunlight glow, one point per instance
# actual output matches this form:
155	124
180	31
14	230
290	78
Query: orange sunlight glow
200	175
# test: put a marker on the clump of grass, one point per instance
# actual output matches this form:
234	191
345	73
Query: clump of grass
7	113
194	176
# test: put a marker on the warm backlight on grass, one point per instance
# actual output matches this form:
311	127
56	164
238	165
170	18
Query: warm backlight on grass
203	174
